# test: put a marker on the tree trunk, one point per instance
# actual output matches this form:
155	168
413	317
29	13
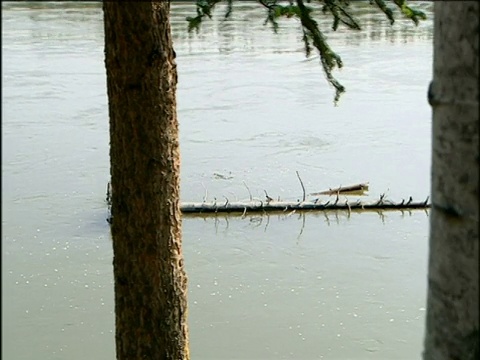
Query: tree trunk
453	290
150	282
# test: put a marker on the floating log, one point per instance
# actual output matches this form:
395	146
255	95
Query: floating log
357	189
285	206
271	205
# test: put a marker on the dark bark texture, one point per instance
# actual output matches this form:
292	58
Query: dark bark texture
150	281
452	324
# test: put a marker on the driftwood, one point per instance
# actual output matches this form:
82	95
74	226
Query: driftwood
283	206
357	189
270	205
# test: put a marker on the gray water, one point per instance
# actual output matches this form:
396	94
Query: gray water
253	111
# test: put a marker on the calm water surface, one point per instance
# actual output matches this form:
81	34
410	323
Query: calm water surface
252	110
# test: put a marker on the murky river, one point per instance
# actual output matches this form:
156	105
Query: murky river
253	111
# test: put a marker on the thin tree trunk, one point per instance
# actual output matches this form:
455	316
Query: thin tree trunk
452	325
150	282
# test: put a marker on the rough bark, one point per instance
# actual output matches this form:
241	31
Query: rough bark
150	281
452	324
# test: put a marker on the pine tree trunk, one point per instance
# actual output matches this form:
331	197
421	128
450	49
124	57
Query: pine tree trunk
453	293
150	282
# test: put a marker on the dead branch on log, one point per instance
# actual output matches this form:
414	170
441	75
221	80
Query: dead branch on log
301	183
380	201
348	205
292	207
255	205
249	193
267	197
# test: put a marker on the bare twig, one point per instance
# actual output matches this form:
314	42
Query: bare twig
264	3
249	193
301	183
380	201
267	197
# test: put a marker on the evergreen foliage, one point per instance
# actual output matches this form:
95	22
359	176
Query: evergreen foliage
312	34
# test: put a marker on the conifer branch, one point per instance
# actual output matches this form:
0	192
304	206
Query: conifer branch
311	34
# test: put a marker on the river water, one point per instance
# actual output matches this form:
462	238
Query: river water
253	111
